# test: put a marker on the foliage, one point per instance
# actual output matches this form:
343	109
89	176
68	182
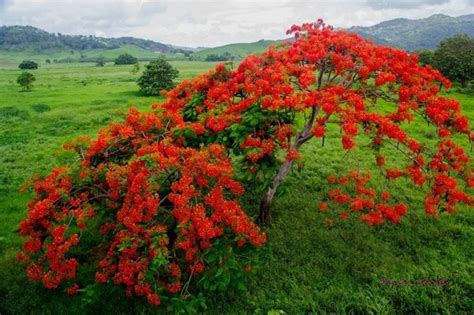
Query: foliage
28	65
425	57
158	76
25	80
455	58
41	108
144	210
126	59
226	56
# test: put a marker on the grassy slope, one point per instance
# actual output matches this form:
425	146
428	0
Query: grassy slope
239	50
307	267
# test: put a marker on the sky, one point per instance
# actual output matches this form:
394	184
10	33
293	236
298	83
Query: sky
211	23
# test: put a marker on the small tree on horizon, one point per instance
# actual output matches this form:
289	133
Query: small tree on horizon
158	75
126	59
28	65
25	80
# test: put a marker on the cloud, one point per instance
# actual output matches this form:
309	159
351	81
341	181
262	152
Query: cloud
403	4
3	4
211	22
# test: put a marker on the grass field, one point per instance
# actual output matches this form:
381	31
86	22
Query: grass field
307	267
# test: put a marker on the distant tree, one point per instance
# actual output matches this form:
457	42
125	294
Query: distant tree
425	57
158	75
135	69
223	57
100	62
48	61
126	59
25	80
28	65
454	57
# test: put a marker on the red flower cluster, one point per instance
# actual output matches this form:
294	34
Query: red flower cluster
160	207
354	197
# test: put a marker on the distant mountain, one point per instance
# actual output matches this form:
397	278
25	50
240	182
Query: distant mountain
20	38
417	34
403	33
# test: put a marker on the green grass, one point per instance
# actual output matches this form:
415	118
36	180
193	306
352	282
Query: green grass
306	267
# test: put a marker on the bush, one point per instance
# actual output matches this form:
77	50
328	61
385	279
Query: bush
158	75
224	57
126	59
40	108
138	210
25	80
28	65
12	112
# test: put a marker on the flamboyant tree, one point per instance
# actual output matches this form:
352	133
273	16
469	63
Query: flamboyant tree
157	193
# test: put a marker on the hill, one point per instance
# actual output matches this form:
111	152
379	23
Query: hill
238	50
21	38
417	34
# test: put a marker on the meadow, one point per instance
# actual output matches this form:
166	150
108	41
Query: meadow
307	266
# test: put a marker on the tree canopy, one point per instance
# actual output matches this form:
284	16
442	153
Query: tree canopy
454	57
158	76
28	65
126	59
25	80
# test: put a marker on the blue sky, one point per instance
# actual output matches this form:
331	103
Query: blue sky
211	22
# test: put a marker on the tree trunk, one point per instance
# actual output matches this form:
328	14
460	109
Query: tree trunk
267	198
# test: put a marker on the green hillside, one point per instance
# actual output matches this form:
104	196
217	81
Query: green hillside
238	51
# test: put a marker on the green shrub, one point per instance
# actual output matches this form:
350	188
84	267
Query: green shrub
126	59
40	108
28	65
158	75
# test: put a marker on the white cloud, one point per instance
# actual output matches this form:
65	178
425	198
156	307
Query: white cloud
211	22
